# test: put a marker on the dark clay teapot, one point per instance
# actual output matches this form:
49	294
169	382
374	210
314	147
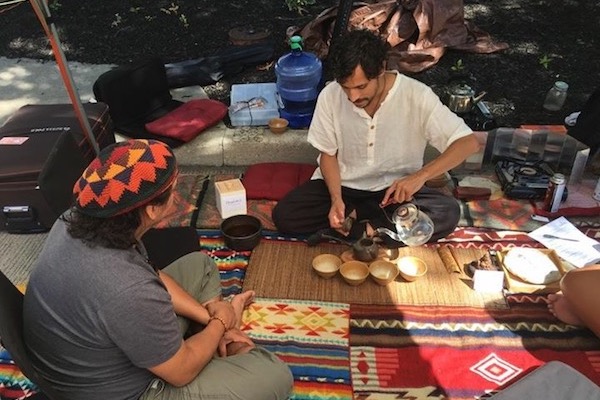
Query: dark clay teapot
365	249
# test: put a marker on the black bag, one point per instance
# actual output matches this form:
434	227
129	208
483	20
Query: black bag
166	245
209	70
137	94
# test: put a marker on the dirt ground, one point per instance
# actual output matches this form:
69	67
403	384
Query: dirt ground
548	39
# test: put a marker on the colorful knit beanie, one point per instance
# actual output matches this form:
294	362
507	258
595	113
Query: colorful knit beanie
125	176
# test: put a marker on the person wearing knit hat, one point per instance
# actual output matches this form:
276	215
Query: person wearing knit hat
124	177
101	322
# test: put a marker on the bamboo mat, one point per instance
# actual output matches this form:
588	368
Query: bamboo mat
281	269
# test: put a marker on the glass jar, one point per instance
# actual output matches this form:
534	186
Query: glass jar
555	98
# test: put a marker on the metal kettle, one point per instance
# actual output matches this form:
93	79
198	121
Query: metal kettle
462	99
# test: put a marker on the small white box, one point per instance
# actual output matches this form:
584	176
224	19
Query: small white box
488	281
231	197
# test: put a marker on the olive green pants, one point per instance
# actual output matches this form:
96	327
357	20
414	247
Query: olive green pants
256	375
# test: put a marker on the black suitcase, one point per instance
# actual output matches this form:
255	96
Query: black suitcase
42	153
56	118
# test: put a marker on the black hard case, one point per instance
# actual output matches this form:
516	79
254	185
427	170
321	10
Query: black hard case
37	176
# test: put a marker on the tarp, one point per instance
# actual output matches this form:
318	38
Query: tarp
418	31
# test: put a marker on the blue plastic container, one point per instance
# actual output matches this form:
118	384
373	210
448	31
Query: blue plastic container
298	83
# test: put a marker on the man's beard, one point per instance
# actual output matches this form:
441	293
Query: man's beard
362	103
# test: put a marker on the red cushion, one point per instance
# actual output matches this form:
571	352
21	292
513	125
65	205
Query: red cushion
272	181
188	120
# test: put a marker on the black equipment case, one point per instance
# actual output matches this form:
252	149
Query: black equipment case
43	151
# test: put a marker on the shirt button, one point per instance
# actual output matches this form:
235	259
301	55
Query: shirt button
370	144
372	126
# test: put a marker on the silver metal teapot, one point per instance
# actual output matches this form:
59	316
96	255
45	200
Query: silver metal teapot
413	226
462	99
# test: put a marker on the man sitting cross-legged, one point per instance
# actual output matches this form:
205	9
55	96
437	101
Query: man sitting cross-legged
100	322
371	127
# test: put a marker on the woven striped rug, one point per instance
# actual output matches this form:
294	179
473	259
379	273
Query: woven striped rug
231	264
208	216
460	352
311	338
13	384
187	198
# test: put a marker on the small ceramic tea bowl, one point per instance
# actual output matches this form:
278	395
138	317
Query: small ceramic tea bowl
354	272
411	268
278	125
326	265
383	272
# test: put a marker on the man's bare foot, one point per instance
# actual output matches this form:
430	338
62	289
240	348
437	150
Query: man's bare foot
239	302
560	307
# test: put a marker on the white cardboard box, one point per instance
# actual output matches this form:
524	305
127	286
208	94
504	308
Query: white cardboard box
231	197
488	281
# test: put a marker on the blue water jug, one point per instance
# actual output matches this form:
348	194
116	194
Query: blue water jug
298	84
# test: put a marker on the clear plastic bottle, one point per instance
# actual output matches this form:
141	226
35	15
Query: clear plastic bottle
556	96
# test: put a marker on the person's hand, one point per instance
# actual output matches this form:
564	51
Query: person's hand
336	214
403	189
234	341
224	311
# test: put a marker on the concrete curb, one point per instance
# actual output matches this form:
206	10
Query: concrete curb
27	81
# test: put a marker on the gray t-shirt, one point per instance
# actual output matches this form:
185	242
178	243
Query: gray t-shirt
95	319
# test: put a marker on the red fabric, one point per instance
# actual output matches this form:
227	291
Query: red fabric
568	212
272	181
187	121
579	202
449	368
460	352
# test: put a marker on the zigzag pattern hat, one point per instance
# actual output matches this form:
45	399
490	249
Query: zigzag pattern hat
125	176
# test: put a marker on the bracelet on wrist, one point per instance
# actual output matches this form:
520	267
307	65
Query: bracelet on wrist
214	317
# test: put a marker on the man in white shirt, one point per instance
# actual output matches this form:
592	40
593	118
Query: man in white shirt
371	127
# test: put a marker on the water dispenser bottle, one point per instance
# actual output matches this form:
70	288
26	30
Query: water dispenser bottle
298	84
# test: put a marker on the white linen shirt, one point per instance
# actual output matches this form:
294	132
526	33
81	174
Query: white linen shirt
372	152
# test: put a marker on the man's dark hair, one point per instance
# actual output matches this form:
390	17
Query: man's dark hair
360	47
117	232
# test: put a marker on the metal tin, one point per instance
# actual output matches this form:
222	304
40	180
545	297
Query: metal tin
554	193
596	194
